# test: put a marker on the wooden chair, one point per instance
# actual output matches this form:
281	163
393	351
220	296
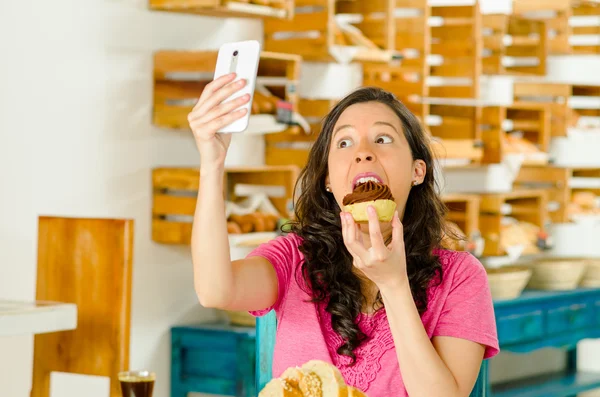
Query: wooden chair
87	262
266	328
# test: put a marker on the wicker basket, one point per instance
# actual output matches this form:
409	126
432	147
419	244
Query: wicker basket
244	319
591	276
557	274
508	282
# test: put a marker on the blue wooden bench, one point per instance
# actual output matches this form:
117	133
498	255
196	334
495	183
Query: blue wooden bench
266	327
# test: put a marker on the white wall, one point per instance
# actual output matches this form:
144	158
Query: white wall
75	104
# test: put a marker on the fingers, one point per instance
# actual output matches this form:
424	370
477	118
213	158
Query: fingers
218	111
214	86
351	238
380	251
397	233
222	121
215	98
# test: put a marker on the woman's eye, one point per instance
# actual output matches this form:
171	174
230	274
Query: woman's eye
384	139
344	143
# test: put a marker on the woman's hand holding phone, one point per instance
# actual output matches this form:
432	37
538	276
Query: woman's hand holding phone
209	115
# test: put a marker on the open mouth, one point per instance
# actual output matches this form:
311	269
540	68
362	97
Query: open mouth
364	178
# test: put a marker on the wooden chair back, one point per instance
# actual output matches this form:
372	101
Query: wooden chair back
87	262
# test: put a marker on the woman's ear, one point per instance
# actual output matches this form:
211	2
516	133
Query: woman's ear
419	171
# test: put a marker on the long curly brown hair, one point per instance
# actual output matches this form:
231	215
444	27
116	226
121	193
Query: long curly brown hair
327	268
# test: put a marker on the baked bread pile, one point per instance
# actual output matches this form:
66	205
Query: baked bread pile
314	379
253	222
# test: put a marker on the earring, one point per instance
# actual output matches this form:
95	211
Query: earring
415	183
328	188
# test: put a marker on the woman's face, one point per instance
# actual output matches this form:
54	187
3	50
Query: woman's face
368	141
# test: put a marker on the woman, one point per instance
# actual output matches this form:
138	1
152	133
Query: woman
396	313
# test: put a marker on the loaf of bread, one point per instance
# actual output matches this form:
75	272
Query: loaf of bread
316	378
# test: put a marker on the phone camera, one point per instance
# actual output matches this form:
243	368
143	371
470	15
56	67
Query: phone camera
235	53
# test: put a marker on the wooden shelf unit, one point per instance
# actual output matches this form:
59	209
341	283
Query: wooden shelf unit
523	205
293	146
180	78
456	50
407	78
268	9
313	33
590	106
509	37
561	186
175	192
554	96
532	120
585	8
556	14
456	131
463	209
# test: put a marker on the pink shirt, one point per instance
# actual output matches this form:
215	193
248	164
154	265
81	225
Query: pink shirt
461	306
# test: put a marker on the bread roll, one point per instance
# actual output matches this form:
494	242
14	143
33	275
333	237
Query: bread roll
332	381
233	228
279	388
352	392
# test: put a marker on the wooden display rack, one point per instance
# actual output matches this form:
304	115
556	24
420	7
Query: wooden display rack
458	127
508	36
585	8
556	14
554	96
175	192
180	78
524	205
280	9
591	104
456	38
559	183
463	209
293	146
407	78
532	120
314	31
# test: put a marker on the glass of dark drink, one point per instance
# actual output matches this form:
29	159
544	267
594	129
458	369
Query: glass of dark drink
137	383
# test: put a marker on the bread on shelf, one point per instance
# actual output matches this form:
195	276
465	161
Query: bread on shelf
315	378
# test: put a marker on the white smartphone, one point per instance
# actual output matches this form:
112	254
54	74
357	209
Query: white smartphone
241	57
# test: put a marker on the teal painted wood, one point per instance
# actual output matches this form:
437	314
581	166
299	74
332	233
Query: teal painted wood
266	329
213	359
558	384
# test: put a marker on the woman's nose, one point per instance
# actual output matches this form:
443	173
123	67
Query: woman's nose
364	153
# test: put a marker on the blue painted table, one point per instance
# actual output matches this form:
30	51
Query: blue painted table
538	320
221	359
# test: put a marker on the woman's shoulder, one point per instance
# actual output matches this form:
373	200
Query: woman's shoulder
459	264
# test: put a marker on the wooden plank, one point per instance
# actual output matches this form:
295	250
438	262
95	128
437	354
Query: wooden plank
452	92
165	204
176	178
88	262
457	149
525	6
167	232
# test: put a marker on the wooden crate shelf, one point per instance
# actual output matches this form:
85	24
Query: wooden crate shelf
556	14
317	34
293	146
268	9
564	185
463	211
456	132
455	53
585	37
554	96
514	45
175	192
528	206
407	78
180	78
584	102
500	124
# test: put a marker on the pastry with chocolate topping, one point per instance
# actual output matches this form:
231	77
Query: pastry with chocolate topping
370	193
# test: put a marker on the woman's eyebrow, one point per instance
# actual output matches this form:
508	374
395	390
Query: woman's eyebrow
386	123
341	127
